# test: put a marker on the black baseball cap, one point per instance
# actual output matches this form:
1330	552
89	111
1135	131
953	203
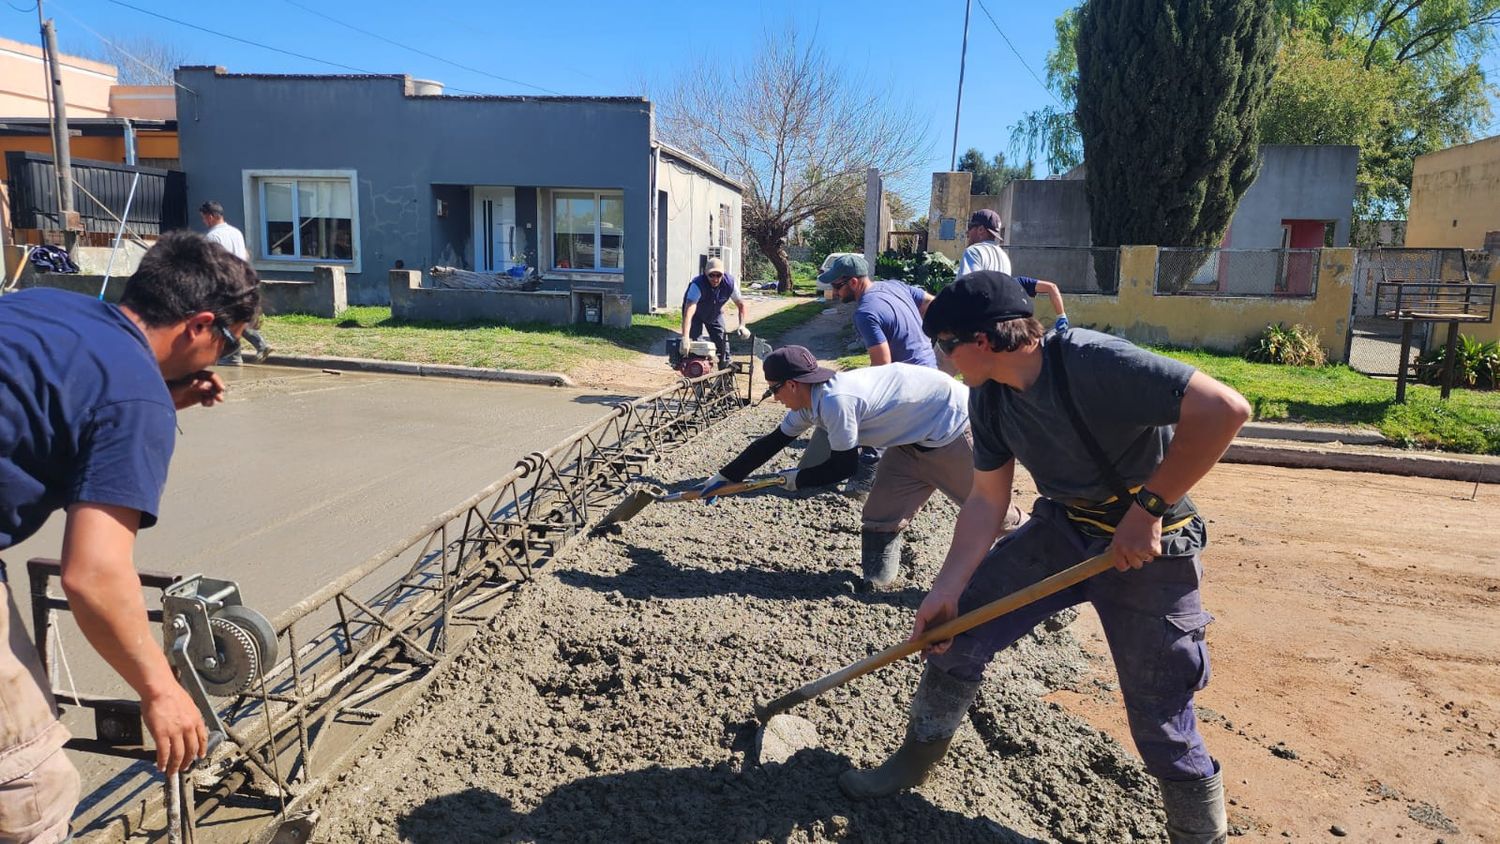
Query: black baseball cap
794	363
975	302
987	218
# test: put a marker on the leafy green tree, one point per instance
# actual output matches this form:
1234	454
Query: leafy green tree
991	175
1421	61
838	229
1169	102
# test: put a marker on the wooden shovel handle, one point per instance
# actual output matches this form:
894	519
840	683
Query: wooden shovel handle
947	630
727	489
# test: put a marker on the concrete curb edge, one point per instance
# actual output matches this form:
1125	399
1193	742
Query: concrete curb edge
1416	464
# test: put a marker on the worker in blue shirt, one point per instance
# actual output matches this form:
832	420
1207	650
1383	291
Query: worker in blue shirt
89	395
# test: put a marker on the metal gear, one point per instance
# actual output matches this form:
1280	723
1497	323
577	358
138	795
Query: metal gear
236	659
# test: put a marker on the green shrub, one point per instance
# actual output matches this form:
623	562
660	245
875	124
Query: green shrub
1294	346
933	271
1475	364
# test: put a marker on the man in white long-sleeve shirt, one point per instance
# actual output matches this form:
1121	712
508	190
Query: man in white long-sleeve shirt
233	241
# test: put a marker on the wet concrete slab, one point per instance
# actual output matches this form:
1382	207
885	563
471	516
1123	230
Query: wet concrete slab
300	475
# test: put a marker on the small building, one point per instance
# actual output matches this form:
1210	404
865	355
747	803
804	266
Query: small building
373	173
107	122
1302	198
1455	196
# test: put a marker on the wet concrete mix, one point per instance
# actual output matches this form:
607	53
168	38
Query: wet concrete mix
611	700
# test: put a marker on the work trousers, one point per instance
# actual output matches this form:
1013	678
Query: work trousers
907	476
1153	620
38	785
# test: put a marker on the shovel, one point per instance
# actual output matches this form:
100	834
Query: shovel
638	500
775	722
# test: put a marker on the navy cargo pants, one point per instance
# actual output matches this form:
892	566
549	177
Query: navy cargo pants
1152	617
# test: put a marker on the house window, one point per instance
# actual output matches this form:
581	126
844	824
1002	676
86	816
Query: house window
588	230
306	219
726	225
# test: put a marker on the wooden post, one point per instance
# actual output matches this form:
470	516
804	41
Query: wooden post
1448	358
1403	366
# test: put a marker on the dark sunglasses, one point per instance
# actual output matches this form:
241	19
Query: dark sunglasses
948	344
230	342
776	388
840	284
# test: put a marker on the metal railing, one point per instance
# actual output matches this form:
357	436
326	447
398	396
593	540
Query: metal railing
1283	273
1074	269
354	647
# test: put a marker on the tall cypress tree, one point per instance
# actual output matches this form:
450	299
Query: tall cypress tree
1169	100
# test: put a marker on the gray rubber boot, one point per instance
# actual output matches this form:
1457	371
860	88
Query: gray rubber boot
879	559
1195	810
939	706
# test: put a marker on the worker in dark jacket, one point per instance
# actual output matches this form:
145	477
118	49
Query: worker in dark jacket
703	309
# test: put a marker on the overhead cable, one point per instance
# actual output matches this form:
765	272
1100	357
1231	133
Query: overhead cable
433	56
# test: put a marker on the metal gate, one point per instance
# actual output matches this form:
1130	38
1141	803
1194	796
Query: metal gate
1374	345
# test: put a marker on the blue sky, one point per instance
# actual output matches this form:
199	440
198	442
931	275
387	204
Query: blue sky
603	48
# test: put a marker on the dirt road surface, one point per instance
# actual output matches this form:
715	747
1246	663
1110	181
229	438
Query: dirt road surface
1356	682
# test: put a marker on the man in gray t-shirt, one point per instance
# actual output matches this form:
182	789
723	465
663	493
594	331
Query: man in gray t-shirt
918	414
1160	426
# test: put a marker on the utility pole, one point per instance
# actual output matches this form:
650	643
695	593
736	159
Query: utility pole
963	56
62	158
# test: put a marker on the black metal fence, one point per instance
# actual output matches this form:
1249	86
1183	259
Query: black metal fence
101	191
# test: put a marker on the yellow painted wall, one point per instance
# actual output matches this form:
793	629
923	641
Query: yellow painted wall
1223	323
1455	196
950	198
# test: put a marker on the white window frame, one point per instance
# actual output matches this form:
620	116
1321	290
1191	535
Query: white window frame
255	224
552	198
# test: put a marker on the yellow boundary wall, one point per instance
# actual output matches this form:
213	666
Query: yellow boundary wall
1224	323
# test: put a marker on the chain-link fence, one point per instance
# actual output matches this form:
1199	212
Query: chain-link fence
1373	266
1074	269
1375	342
1237	272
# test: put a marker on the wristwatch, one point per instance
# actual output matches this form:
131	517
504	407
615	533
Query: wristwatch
1152	503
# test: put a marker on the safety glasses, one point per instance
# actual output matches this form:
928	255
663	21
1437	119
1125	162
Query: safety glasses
948	344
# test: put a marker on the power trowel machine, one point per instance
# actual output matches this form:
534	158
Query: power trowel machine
702	358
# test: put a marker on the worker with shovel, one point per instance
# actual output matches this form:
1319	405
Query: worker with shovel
918	414
1114	437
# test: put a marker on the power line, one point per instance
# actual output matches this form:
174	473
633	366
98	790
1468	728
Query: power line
23	11
150	68
433	56
246	40
1018	54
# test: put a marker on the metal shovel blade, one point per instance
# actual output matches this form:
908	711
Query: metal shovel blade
627	509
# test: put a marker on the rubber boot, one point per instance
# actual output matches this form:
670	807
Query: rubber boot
937	709
879	559
1195	810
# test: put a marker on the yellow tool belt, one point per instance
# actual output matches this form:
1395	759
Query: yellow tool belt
1099	518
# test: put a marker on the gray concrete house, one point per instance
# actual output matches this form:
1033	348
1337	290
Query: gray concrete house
374	173
1302	198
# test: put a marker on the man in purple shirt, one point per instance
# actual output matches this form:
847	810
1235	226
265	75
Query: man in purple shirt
889	315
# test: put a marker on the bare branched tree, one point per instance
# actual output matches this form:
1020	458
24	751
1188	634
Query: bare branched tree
795	129
140	59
